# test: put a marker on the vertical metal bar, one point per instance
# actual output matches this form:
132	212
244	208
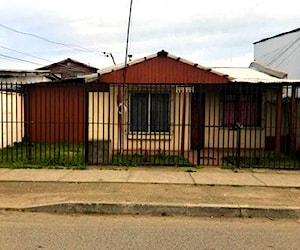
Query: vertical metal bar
200	108
104	124
125	120
293	120
73	119
1	114
179	125
55	130
28	145
79	122
11	119
169	134
69	110
148	134
218	121
215	132
183	124
100	102
262	121
238	142
278	121
209	127
16	122
108	124
60	124
91	122
173	129
23	124
39	121
114	108
49	121
86	123
91	117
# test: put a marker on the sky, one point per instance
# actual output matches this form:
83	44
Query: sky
215	33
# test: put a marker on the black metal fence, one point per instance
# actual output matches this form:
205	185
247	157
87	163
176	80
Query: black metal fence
73	123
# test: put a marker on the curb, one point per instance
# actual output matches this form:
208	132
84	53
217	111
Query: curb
165	210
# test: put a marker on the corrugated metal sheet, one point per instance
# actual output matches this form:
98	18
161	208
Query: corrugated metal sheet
251	76
162	68
55	113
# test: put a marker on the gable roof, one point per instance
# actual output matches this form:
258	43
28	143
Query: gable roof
65	62
161	67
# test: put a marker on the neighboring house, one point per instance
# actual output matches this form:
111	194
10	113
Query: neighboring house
281	51
69	68
163	104
12	101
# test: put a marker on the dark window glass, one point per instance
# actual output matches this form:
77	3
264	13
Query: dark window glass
139	112
244	108
149	112
159	113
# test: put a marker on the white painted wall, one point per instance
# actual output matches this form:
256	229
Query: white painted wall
281	53
11	118
12	109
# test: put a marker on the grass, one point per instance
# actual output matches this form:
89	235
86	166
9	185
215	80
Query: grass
150	160
270	160
39	155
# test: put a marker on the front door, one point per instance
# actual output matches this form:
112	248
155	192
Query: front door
197	119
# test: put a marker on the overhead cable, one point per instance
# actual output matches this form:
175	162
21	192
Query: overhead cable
71	46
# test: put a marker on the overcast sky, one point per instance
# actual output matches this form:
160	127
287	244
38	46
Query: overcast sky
211	33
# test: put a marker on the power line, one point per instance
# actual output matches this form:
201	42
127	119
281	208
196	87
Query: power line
283	60
22	53
25	54
70	46
281	51
18	59
284	51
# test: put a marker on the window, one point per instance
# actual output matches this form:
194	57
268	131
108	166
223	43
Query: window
243	107
149	112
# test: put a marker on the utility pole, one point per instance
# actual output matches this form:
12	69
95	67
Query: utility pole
121	89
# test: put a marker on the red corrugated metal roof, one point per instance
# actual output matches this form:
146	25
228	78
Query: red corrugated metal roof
162	68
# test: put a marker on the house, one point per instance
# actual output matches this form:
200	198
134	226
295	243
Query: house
12	101
281	51
169	105
164	108
69	68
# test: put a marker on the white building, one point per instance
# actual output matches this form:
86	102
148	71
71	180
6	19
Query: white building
281	52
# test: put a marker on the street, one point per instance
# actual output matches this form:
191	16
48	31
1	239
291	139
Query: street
21	230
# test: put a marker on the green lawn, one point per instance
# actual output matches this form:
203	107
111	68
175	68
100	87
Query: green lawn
150	160
38	155
269	160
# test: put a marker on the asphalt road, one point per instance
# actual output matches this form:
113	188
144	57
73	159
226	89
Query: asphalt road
52	231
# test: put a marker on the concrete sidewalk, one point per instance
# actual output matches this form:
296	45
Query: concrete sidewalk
169	191
205	176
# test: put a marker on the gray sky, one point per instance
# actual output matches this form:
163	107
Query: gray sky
211	33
